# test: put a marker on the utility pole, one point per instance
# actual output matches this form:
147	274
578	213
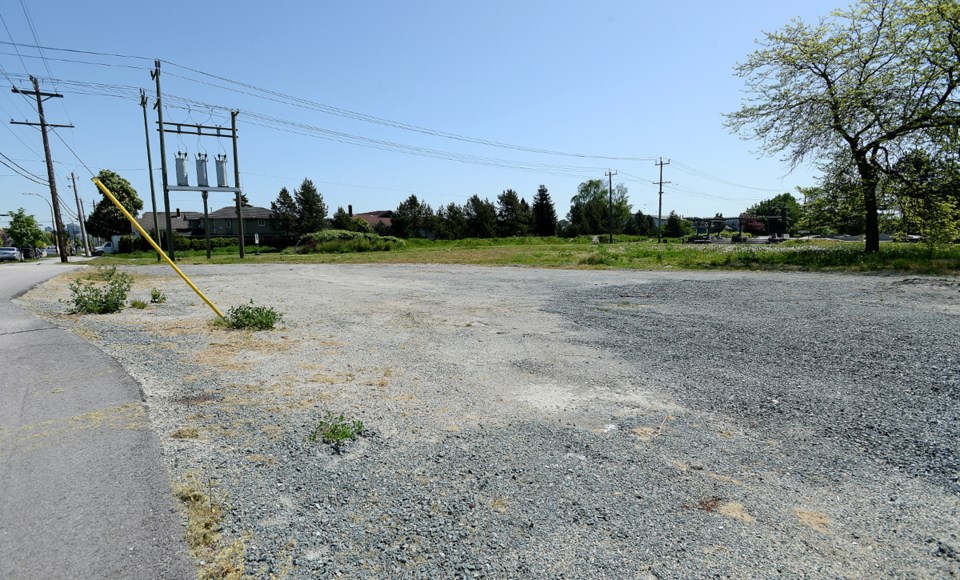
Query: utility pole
83	227
661	163
153	191
236	179
58	221
155	73
610	175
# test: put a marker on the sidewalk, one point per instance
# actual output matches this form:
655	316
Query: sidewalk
83	489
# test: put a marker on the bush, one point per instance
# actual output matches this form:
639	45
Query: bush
251	316
92	298
157	296
335	430
343	241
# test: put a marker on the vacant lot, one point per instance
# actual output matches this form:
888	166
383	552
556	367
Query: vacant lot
537	423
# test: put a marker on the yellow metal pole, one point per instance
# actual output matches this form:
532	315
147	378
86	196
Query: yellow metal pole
147	237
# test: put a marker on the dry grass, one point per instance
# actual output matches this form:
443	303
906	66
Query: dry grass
204	519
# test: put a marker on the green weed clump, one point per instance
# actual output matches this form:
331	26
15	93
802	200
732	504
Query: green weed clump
88	297
343	241
138	304
336	429
157	297
251	317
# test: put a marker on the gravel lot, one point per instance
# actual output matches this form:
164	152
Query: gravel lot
542	423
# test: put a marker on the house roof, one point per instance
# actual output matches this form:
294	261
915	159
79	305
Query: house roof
373	217
178	220
249	212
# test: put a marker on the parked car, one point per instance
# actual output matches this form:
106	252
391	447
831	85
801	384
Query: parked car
10	254
52	251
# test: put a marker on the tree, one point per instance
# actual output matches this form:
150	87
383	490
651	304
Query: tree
341	219
677	227
106	220
481	216
311	210
24	230
590	209
544	213
642	225
863	85
451	222
285	212
779	215
413	219
927	190
513	218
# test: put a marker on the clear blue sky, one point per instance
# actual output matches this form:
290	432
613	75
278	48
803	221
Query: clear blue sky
624	79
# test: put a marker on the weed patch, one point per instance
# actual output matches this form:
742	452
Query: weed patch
157	297
251	317
138	304
335	430
89	297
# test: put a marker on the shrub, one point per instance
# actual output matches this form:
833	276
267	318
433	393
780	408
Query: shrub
251	316
92	298
343	241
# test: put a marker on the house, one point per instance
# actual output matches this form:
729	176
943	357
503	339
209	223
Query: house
374	217
184	223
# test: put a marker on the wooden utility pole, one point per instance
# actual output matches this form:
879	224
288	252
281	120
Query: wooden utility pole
610	175
83	227
236	178
661	163
163	162
153	191
58	221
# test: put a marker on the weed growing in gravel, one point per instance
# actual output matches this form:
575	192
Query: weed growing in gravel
138	304
157	297
91	298
251	316
204	520
335	430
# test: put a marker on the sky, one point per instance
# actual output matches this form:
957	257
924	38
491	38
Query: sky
375	101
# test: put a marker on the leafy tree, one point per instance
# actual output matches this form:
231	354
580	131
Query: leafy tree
481	216
928	193
311	210
451	222
413	219
677	227
285	212
544	213
513	219
862	85
25	231
590	209
106	220
779	215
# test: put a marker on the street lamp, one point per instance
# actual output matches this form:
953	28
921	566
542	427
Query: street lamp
50	205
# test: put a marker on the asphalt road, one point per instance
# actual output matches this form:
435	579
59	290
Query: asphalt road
83	490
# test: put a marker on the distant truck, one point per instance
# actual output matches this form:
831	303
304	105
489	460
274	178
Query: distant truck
106	248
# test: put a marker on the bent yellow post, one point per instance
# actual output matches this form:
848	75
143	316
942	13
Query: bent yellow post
147	237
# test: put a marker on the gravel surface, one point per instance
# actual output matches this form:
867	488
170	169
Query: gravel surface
542	423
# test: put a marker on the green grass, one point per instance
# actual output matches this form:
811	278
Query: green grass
627	253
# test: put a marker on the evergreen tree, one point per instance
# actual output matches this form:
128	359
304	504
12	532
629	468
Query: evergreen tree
481	216
285	212
512	219
676	227
311	210
451	222
341	219
106	220
544	213
412	219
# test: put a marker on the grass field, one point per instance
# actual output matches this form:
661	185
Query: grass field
808	255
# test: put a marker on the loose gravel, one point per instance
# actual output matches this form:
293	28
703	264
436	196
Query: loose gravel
557	424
